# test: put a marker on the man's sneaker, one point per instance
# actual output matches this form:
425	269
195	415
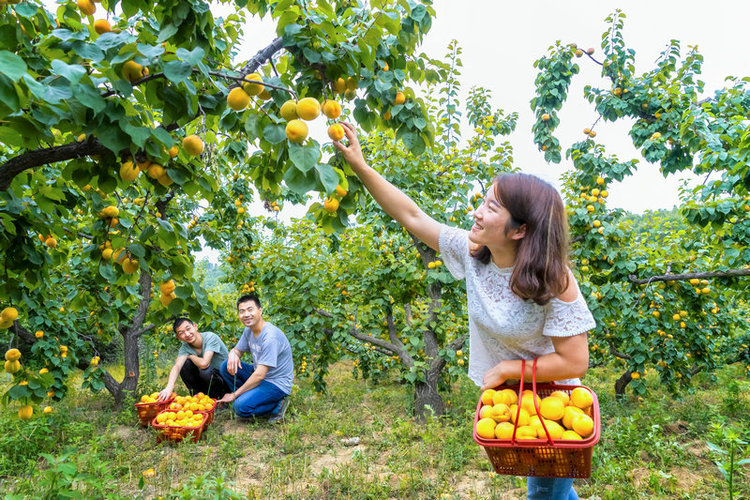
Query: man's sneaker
279	415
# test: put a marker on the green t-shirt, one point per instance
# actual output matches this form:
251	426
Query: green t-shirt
211	342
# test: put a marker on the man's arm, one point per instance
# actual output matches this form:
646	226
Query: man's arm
202	362
256	378
173	374
233	360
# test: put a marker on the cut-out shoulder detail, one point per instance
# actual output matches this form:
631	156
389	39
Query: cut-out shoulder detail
501	324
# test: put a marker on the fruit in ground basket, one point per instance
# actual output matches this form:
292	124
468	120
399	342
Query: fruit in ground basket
559	411
199	402
150	398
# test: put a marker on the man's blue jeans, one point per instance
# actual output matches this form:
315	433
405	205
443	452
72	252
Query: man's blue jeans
550	488
260	400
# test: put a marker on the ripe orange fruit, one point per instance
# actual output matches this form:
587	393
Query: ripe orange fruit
340	191
339	85
352	83
172	152
570	436
27	411
545	117
583	425
387	115
296	131
238	99
128	171
552	408
132	71
102	26
399	99
500	413
167	299
336	132
12	366
253	88
331	109
51	242
504	430
288	110
167	287
506	396
155	171
265	94
564	397
107	253
331	205
486	428
581	398
570	413
87	7
308	108
193	145
487	397
130	266
47	409
165	180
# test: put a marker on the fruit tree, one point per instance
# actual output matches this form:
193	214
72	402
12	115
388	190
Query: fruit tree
121	120
668	298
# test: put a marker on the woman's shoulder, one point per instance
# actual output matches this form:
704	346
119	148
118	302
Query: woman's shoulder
571	292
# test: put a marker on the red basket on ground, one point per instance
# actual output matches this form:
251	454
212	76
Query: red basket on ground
542	457
178	433
147	411
209	413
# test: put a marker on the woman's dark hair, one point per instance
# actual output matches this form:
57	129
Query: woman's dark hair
540	272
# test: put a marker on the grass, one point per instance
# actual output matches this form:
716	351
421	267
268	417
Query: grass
359	441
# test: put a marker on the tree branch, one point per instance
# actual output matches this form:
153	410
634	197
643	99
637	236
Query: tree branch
731	273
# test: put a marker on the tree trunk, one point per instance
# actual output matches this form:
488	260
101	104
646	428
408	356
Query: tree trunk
427	400
621	384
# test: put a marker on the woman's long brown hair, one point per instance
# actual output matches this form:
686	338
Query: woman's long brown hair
540	272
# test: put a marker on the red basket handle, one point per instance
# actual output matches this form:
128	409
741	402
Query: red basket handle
534	397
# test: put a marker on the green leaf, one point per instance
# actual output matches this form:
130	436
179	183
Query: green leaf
12	65
274	133
8	94
304	157
72	72
163	137
192	57
113	138
89	97
328	176
137	250
167	32
300	182
176	307
88	51
177	71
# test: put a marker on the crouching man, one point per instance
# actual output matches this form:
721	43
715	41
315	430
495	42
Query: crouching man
198	361
263	387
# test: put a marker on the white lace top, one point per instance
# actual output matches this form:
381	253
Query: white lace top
501	324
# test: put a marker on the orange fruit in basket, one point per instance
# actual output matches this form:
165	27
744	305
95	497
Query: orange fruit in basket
564	396
485	411
486	428
583	425
526	432
500	413
523	416
505	396
527	402
487	396
504	430
570	413
581	398
552	408
571	435
555	430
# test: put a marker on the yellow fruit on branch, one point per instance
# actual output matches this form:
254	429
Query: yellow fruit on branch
387	115
399	99
296	131
12	354
155	171
545	117
265	94
331	205
110	211
87	7
288	110
27	411
339	85
107	253
331	109
164	179
130	266
352	83
132	71
102	26
39	334
238	99
253	88
340	191
167	299
12	366
167	287
9	314
47	409
143	165
336	132
51	242
308	108
172	152
193	145
128	171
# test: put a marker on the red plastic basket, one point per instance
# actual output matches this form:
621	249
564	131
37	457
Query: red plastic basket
542	457
178	433
147	411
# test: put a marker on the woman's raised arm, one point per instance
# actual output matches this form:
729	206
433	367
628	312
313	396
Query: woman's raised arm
389	197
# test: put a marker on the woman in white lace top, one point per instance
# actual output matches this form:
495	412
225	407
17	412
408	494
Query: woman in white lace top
523	301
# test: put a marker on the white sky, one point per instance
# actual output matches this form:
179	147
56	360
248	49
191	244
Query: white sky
501	41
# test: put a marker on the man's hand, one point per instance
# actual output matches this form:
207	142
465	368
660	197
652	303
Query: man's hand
227	398
165	394
233	362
